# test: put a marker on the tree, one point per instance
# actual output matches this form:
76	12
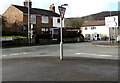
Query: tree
89	18
3	21
76	22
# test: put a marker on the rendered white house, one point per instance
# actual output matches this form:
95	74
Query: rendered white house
95	30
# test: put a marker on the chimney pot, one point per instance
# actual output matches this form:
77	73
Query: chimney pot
26	3
52	8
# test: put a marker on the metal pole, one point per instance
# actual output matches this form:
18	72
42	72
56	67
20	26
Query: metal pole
109	35
115	34
28	22
109	31
61	42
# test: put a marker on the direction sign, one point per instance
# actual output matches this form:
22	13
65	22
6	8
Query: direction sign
111	21
62	11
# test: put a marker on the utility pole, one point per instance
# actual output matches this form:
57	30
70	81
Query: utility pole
29	21
109	31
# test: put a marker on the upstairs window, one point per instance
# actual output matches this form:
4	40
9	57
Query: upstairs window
44	19
33	19
58	20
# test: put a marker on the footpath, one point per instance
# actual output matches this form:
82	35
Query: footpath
106	44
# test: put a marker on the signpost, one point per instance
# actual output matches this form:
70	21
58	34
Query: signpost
112	22
62	13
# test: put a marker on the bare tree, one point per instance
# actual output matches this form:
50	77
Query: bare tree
3	21
76	22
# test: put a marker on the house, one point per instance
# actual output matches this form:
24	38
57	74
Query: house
97	30
40	19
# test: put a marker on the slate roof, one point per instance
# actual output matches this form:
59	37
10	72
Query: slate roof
37	11
94	23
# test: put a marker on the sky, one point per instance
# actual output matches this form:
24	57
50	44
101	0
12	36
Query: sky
75	8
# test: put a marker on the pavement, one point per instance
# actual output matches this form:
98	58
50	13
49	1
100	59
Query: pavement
106	44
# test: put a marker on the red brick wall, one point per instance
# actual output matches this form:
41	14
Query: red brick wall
39	23
13	16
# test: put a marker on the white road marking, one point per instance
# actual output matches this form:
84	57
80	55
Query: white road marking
14	54
3	55
92	54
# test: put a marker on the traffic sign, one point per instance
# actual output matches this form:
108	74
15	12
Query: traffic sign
62	11
111	21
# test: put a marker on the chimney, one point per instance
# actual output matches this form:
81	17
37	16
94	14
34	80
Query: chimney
26	3
52	8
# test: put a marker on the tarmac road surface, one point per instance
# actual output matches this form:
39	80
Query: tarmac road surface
82	62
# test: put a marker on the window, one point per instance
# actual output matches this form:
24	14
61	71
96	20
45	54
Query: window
33	19
56	31
87	35
93	28
58	20
85	28
44	19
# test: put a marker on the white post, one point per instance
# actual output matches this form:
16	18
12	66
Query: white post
62	12
61	42
109	35
115	34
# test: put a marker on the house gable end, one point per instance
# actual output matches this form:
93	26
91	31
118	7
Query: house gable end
12	15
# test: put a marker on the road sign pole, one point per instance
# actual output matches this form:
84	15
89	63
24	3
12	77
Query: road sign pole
61	42
62	12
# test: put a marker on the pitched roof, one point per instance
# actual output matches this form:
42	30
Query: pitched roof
94	23
37	11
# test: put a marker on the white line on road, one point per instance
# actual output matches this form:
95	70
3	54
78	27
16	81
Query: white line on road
14	54
93	54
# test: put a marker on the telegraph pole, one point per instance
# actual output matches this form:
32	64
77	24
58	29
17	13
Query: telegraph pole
29	21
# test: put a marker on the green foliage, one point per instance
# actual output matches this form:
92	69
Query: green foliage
16	37
11	33
70	34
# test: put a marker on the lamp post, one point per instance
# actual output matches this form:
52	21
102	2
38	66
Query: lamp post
62	12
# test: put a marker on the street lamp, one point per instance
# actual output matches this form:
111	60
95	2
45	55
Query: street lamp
64	5
62	12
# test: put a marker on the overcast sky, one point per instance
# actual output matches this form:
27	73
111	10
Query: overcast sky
75	8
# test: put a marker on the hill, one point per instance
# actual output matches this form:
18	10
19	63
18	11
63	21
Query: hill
97	16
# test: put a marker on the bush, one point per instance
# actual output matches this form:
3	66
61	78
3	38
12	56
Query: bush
104	38
70	34
13	33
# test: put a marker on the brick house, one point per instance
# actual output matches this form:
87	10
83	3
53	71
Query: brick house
41	19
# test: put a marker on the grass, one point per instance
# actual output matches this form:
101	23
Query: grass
16	37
